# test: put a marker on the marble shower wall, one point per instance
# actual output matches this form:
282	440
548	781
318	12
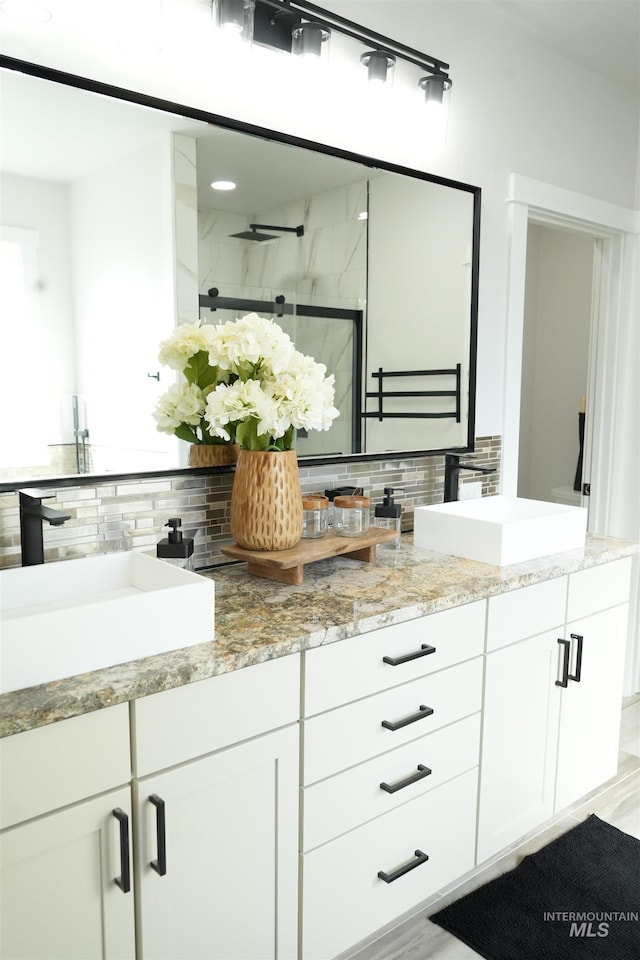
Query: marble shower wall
130	515
327	265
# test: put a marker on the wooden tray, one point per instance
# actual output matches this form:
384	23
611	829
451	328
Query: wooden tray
287	566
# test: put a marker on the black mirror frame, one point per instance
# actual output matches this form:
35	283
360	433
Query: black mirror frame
194	113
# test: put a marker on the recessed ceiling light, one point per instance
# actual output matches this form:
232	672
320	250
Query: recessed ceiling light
363	215
223	185
25	11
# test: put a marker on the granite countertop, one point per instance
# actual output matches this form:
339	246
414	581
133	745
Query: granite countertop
257	619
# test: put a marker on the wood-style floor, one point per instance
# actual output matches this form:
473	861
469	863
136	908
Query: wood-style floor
617	802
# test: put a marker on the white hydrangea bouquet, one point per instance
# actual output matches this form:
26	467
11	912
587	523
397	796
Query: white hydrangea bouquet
245	383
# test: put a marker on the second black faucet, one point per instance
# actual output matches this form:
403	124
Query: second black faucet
452	468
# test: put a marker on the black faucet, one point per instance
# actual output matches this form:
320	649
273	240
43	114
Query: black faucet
452	468
32	514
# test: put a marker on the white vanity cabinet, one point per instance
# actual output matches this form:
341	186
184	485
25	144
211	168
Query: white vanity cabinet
216	800
65	870
553	687
290	809
391	730
590	705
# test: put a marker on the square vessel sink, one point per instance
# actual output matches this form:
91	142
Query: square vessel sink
66	618
500	530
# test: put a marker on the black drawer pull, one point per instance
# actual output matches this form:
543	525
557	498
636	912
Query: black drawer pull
424	651
565	664
159	865
400	872
576	676
401	784
423	712
124	880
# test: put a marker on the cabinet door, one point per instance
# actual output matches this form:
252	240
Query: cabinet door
226	886
591	706
520	725
58	892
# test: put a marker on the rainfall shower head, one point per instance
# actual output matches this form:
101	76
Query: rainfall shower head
253	233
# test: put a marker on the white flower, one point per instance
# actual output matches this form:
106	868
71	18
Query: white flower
239	345
254	376
306	394
185	341
240	401
181	403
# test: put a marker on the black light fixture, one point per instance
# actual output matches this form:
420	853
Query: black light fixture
299	27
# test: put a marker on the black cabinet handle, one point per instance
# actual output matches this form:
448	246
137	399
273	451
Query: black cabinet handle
565	664
576	676
159	865
424	651
401	784
423	712
124	880
400	872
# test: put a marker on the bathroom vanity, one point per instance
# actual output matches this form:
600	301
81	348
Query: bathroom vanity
342	751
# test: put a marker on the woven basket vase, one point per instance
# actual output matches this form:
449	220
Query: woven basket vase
266	504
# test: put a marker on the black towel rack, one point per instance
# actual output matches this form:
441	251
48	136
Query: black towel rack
381	394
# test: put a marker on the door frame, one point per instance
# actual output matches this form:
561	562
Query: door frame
537	202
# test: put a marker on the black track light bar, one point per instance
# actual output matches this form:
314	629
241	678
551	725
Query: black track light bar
348	28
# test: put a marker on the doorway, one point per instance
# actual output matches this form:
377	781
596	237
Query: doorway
555	363
612	452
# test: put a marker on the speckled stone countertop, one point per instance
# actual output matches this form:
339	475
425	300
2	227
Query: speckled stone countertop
257	620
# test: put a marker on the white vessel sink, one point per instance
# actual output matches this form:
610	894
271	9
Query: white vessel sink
500	530
66	618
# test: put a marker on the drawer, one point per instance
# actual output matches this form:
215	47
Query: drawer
354	668
525	612
198	718
52	766
345	900
338	804
348	735
598	588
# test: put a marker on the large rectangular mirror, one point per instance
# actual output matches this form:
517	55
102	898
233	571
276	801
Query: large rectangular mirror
110	234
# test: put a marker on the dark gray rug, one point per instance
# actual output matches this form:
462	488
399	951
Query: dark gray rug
576	899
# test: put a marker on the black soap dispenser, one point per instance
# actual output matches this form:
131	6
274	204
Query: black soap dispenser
175	548
388	516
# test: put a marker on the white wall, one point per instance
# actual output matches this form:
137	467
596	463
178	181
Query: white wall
557	320
124	260
43	206
515	106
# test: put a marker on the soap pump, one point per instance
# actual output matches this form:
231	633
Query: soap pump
175	548
388	516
